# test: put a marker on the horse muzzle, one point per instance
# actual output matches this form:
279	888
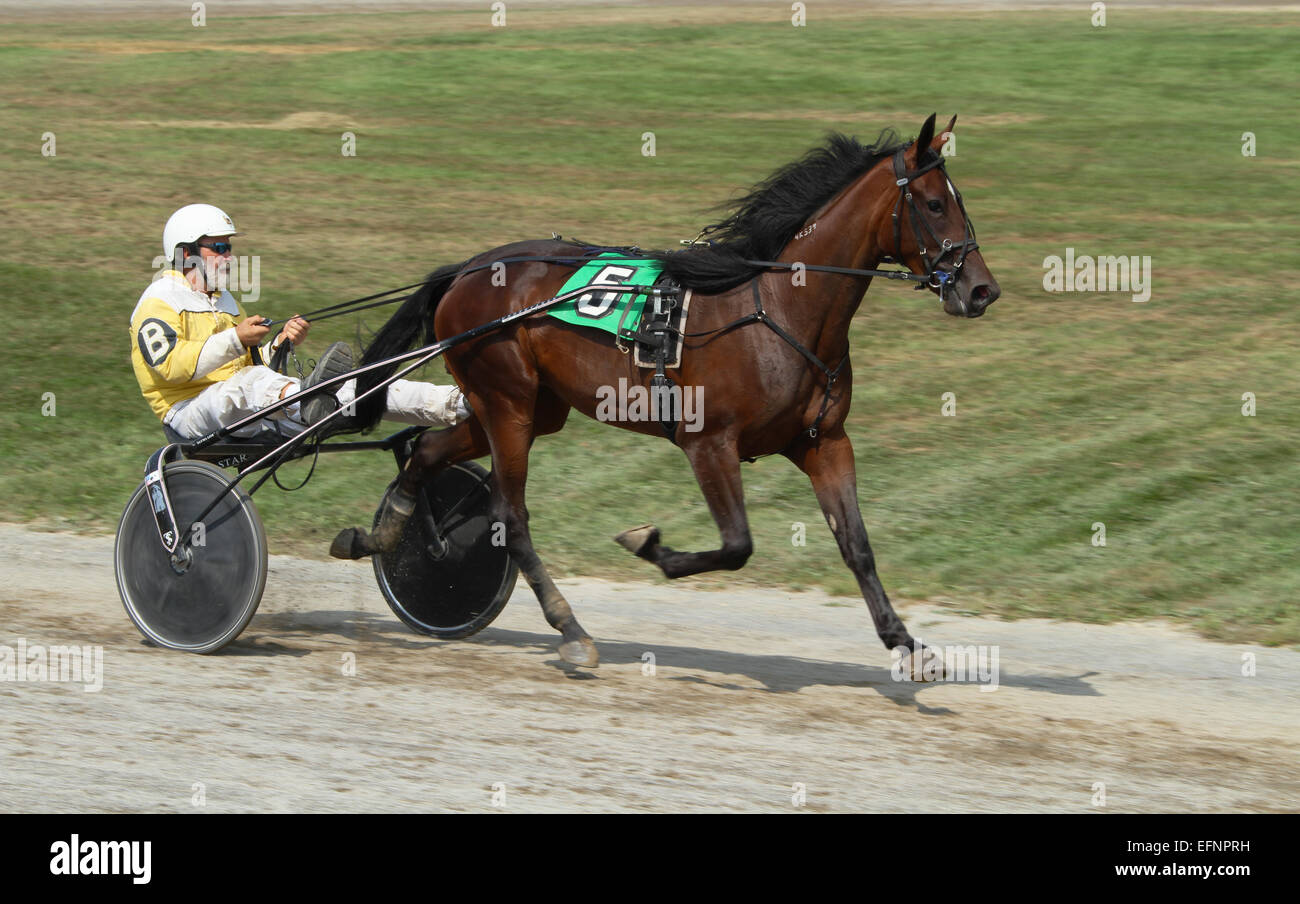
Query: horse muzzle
961	301
981	297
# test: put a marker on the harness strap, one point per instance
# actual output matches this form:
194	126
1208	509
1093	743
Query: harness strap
762	317
831	374
654	332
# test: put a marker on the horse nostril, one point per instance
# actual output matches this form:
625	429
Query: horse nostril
985	295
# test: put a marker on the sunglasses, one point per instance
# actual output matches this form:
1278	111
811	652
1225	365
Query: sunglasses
217	247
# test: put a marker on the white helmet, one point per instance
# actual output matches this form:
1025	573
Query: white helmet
193	221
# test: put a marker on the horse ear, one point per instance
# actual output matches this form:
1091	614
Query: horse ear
923	140
952	122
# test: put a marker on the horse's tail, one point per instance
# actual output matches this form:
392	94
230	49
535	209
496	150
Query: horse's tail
413	320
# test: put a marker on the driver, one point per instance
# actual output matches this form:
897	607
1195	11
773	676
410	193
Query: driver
199	360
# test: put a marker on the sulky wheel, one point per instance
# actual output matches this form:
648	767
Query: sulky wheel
202	600
446	577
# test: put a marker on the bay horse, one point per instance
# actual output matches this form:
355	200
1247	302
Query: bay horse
842	207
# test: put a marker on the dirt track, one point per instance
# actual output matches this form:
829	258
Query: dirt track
754	692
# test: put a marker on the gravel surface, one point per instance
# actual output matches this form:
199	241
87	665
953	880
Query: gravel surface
758	696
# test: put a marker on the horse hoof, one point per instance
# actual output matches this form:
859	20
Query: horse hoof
925	667
580	652
637	539
349	544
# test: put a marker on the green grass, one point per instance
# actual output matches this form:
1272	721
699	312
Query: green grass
1072	408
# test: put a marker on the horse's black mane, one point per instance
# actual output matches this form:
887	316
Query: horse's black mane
766	219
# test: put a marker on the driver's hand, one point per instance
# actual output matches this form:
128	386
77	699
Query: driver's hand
295	330
251	332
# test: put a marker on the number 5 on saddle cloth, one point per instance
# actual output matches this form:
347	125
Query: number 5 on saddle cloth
654	326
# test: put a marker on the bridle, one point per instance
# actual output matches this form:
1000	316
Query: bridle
934	278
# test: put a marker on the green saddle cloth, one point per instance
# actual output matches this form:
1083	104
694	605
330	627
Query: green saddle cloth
608	310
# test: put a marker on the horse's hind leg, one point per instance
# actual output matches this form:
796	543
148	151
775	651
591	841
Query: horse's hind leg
435	450
514	423
829	464
717	469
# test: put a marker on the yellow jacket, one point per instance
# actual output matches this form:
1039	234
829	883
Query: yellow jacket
169	327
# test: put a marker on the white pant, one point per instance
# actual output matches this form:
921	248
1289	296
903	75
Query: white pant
253	388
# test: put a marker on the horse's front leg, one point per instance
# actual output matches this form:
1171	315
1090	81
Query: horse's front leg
828	462
717	468
435	450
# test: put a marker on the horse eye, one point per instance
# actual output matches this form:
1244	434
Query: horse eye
936	206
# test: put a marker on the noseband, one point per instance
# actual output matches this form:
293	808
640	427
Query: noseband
934	277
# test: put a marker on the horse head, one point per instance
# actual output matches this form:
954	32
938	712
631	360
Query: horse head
929	231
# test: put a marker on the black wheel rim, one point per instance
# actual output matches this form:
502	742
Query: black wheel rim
455	588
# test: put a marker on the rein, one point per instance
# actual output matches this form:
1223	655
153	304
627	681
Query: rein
358	304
